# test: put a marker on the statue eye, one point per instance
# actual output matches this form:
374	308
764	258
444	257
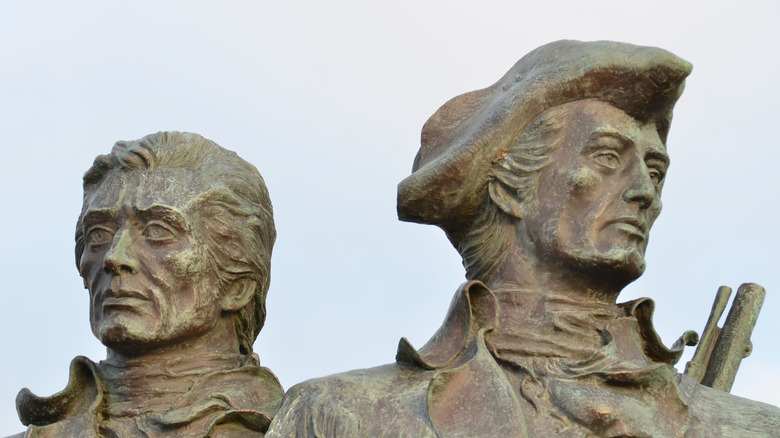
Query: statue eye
99	236
656	176
607	158
158	232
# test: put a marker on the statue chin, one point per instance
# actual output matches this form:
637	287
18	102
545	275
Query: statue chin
618	267
630	263
120	336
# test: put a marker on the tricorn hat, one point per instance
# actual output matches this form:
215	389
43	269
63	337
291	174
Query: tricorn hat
460	141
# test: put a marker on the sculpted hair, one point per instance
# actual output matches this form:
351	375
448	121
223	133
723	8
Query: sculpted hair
518	167
239	231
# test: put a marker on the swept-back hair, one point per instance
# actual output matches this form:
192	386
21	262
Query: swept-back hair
518	167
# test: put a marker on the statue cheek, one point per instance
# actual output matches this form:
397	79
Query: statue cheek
185	264
87	266
583	180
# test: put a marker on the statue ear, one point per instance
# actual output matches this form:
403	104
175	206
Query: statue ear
239	294
506	198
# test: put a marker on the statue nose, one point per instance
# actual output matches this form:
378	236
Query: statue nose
119	256
642	191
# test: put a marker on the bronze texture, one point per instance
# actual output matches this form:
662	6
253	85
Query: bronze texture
547	183
174	244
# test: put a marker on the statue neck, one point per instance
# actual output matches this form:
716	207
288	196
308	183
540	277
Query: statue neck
151	378
220	340
522	269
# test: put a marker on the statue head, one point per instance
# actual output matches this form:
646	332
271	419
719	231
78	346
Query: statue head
175	234
505	165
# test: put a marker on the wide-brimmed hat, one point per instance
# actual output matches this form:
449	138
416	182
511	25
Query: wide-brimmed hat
460	141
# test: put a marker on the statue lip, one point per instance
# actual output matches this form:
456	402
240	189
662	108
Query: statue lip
122	297
630	225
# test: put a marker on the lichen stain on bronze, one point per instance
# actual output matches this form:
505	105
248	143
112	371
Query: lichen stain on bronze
583	179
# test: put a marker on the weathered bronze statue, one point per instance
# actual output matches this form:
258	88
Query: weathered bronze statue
547	183
174	244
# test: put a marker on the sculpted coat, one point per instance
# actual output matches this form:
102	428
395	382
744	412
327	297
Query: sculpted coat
208	400
547	183
477	376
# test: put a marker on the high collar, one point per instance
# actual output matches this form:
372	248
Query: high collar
246	393
140	387
470	391
475	307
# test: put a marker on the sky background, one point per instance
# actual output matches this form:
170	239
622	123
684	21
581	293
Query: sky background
327	99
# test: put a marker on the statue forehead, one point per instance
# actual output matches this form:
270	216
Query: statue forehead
143	188
589	117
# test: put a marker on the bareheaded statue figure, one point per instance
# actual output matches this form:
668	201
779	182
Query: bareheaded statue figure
174	245
547	183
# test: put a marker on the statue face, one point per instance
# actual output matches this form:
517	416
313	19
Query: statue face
600	195
145	262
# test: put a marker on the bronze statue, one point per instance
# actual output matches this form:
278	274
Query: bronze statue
547	183
174	244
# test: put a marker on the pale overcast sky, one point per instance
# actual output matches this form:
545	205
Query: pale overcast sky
327	99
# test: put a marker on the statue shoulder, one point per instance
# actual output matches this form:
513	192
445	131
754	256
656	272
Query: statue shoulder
366	402
718	413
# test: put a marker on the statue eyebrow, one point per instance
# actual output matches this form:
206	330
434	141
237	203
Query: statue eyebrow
169	214
609	132
98	216
657	155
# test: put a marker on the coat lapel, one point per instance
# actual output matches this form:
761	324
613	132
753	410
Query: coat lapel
470	393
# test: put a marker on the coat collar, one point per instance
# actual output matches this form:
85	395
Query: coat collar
475	307
249	394
469	393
